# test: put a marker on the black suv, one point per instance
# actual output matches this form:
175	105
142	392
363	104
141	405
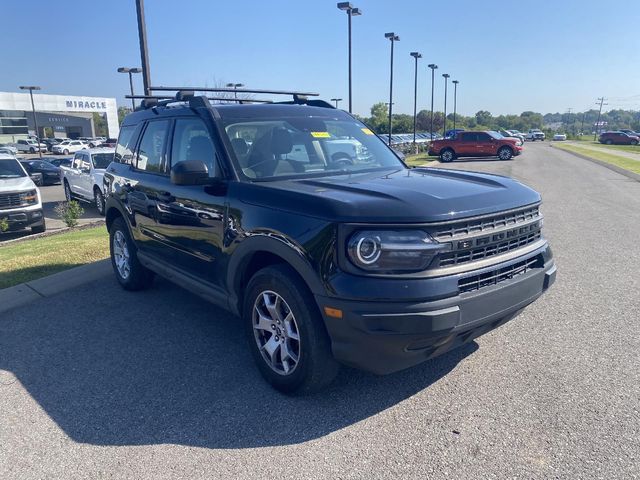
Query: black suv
300	220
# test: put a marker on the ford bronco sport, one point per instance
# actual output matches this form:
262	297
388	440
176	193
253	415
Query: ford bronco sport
327	258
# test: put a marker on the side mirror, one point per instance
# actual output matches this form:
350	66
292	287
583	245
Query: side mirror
190	172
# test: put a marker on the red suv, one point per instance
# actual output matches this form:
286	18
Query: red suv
475	144
618	138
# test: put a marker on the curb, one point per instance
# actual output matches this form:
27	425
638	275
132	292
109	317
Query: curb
610	166
44	287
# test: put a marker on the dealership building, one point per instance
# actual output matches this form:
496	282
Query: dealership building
61	116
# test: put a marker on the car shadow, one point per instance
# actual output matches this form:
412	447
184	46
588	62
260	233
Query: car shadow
162	366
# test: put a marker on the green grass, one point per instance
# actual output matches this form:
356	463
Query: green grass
25	261
418	160
623	148
604	156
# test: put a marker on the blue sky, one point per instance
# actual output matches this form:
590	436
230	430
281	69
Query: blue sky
508	56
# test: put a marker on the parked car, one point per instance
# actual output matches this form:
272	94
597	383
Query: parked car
61	162
559	137
475	144
618	138
95	142
535	134
30	146
50	142
109	143
20	200
303	249
511	134
50	173
83	178
8	149
69	146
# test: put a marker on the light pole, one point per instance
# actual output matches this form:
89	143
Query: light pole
455	101
433	67
130	71
351	11
416	56
336	100
31	88
393	38
144	51
444	129
235	87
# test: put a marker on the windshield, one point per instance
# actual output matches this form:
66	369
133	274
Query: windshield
495	135
306	146
102	160
11	169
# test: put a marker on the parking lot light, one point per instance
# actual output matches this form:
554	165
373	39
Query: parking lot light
31	88
393	38
351	11
455	101
235	87
336	100
433	67
416	56
444	129
130	71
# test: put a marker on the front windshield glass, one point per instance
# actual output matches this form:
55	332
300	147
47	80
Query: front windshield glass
495	135
269	148
11	169
102	160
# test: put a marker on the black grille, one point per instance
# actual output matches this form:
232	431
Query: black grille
493	277
10	200
480	226
471	255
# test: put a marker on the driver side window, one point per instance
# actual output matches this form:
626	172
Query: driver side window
191	141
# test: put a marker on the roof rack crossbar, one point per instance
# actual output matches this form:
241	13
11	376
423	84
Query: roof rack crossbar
233	90
174	99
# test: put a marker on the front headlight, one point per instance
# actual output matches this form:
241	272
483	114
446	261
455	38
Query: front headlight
392	251
30	197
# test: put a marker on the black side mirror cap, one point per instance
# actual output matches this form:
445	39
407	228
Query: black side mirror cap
190	172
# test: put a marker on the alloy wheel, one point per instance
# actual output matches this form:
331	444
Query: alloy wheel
276	332
121	254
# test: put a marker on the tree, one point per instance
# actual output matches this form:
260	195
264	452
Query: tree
483	117
99	124
122	112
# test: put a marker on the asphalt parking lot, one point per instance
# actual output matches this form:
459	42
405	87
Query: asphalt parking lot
103	383
51	196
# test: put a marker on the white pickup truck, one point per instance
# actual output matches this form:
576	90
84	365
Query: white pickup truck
83	179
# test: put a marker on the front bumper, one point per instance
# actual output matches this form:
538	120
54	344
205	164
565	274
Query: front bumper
20	219
384	337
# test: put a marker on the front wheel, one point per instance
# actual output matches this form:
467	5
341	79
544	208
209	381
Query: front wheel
67	192
286	333
98	198
32	150
447	156
130	273
634	142
608	142
65	152
505	153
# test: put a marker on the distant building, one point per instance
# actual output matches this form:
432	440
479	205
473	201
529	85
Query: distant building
58	115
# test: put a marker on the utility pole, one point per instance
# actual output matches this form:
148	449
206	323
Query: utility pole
144	52
416	56
569	116
601	101
584	115
444	128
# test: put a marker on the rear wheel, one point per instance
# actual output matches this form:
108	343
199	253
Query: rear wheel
505	153
286	333
130	273
447	155
32	150
65	152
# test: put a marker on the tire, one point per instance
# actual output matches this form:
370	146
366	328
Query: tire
608	142
32	150
98	199
39	228
275	294
65	152
68	194
633	142
505	153
130	273
447	155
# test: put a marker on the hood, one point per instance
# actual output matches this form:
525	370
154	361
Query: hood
16	184
401	196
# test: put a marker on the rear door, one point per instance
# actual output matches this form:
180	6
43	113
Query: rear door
467	146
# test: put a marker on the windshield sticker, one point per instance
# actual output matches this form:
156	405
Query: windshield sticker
320	134
367	131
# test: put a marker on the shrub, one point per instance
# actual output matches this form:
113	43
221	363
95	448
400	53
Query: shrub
4	224
69	212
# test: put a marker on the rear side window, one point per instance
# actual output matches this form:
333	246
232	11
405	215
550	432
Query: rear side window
151	148
124	147
468	137
191	141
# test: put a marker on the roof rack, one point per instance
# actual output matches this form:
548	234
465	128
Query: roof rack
184	94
